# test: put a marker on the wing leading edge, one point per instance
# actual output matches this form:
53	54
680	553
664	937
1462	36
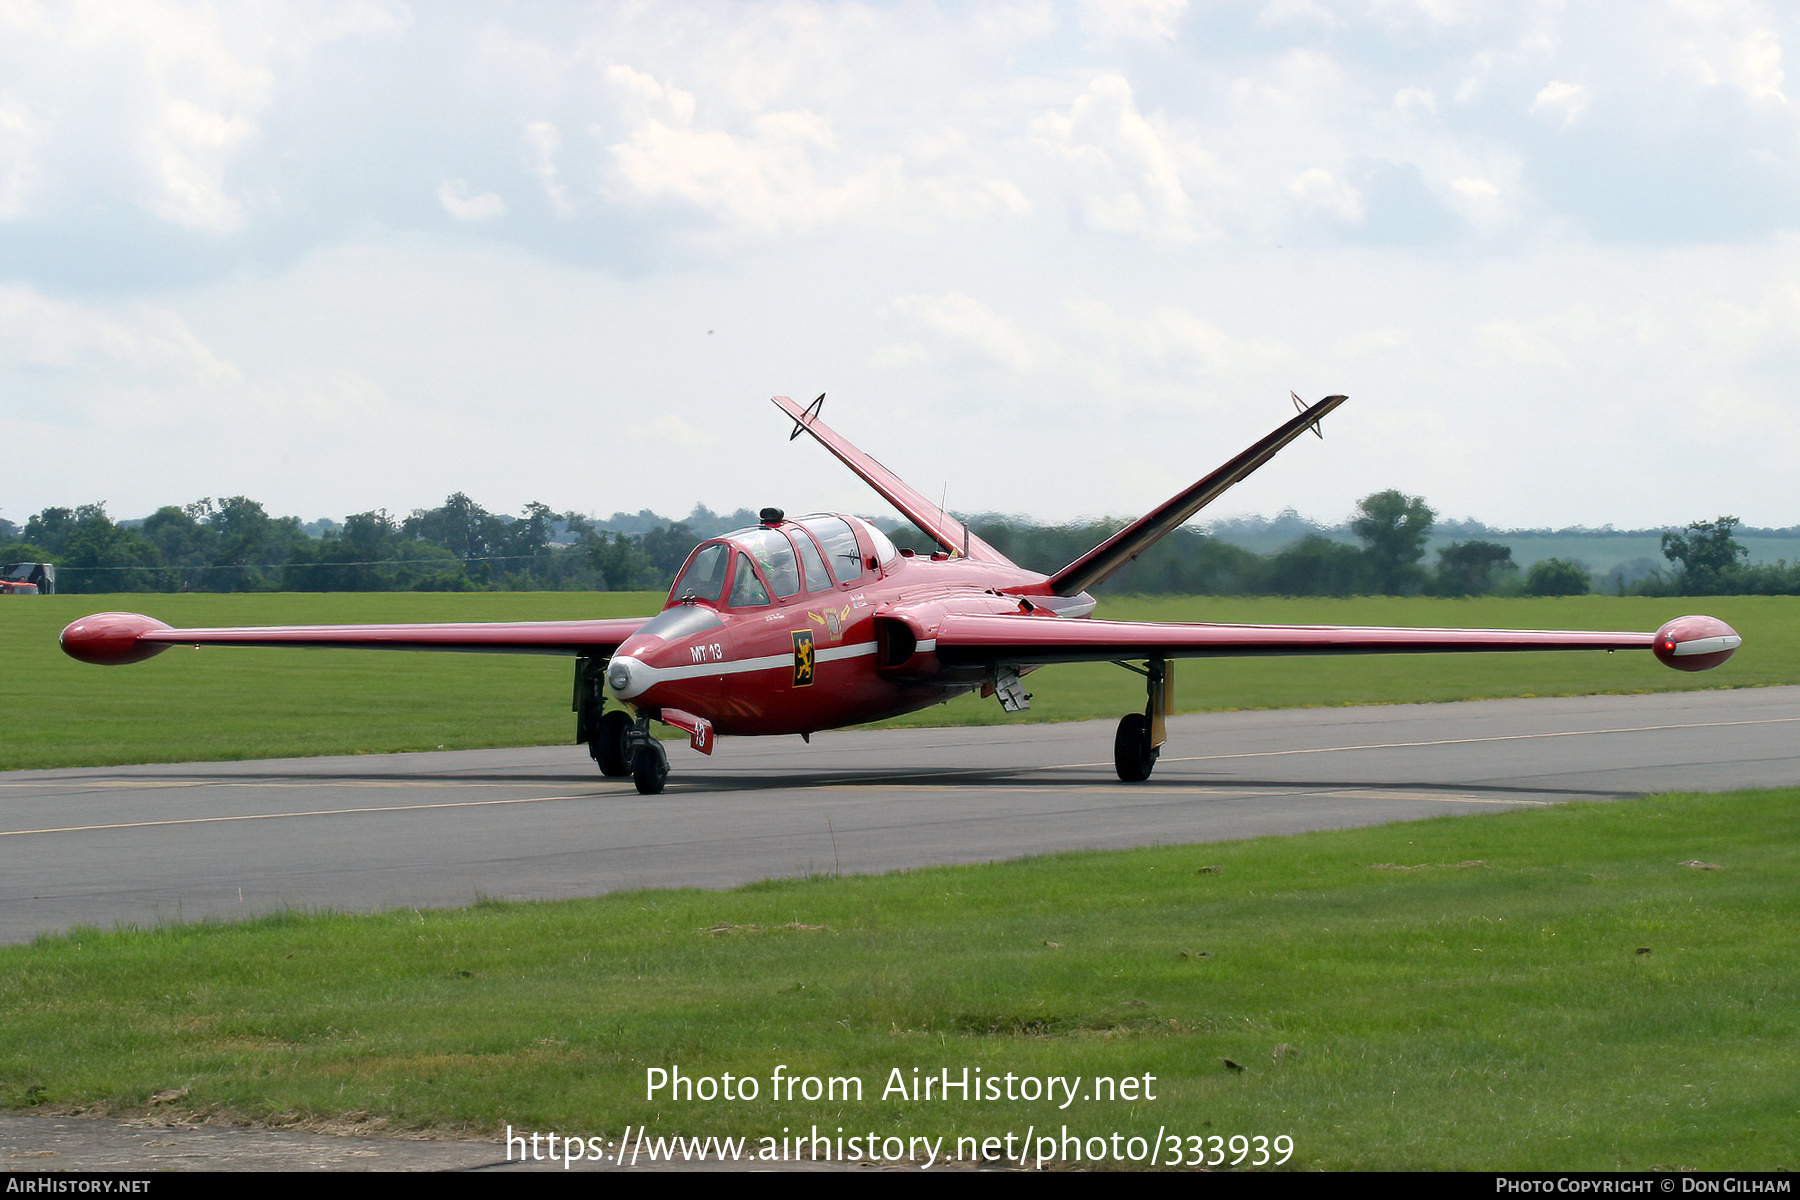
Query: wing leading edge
1118	550
112	639
1692	643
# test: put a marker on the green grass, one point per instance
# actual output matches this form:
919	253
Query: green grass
188	705
196	705
1536	990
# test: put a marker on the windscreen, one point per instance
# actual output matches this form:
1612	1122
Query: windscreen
704	576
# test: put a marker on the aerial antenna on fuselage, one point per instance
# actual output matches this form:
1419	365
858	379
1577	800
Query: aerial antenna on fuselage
812	410
1299	406
943	507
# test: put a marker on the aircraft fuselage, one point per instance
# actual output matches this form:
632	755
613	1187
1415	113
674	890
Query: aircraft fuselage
856	647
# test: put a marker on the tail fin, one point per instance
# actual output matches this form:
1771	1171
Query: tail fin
1119	549
937	524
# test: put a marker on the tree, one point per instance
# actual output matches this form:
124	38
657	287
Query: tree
100	556
667	547
1471	568
1316	566
1557	577
1709	557
52	528
184	543
249	545
619	561
1393	527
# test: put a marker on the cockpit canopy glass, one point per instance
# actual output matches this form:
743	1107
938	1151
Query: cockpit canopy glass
885	552
774	554
839	540
746	589
704	576
786	557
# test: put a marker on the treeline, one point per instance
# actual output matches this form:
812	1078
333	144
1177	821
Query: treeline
233	545
1393	529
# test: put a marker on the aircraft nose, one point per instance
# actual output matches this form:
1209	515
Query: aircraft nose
627	677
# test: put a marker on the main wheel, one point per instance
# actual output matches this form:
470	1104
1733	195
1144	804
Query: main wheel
1133	755
649	770
607	744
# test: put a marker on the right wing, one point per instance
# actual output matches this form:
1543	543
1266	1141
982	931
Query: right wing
1686	643
112	639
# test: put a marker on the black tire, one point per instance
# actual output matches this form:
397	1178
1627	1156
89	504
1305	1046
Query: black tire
649	771
607	744
1133	755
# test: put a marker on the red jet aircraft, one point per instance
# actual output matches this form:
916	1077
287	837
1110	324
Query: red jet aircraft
818	623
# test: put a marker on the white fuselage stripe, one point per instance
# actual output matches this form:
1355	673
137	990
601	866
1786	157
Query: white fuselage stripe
767	662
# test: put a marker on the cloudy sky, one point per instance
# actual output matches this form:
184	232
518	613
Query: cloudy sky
1048	259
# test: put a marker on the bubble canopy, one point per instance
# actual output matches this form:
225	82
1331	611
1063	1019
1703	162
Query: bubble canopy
774	562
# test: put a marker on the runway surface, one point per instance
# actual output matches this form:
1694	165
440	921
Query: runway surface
139	845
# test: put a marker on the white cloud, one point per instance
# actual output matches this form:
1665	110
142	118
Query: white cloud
542	140
1320	189
1150	19
962	319
145	342
1756	67
454	195
1562	100
18	135
1123	169
1415	101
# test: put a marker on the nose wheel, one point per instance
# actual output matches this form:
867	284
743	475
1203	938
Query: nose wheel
649	761
650	770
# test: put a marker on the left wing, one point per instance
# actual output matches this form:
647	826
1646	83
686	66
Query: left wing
1687	643
112	639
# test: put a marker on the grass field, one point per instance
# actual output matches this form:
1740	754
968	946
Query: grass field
1552	989
188	705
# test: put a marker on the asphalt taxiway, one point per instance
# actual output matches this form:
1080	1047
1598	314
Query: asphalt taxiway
141	845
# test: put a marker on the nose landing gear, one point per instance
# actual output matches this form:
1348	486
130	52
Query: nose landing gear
650	769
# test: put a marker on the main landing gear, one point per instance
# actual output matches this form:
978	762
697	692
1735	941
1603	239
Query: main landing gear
607	744
1141	735
619	745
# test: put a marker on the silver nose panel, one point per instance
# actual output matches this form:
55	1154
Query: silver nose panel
626	677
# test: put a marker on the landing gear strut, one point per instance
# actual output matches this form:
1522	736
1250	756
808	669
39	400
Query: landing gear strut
1141	735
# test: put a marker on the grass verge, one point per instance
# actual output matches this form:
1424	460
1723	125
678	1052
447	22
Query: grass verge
188	705
1553	989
